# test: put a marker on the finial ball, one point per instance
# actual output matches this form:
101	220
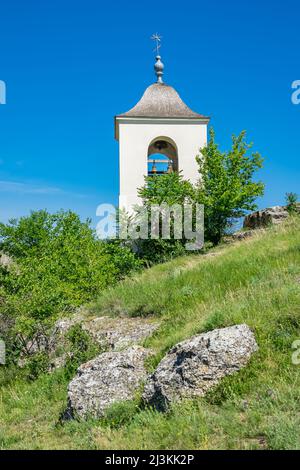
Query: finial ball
159	69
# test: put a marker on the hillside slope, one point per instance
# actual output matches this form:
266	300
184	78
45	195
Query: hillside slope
256	281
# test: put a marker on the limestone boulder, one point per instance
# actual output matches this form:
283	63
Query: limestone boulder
110	334
109	378
270	216
193	367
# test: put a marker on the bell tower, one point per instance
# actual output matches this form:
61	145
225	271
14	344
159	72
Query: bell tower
159	134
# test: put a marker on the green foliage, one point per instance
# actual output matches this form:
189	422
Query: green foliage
159	251
21	237
121	413
226	186
291	202
170	188
38	364
167	189
83	348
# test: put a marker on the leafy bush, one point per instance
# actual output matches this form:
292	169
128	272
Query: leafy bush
254	283
58	265
83	349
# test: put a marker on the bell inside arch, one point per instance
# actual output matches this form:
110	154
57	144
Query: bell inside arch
162	157
154	168
170	166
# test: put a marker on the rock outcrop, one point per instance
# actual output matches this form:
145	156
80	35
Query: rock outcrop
271	215
119	333
194	366
110	334
111	377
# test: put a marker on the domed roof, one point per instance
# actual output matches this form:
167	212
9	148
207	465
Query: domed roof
161	101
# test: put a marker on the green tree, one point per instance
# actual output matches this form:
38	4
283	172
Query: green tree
226	186
226	189
167	189
59	264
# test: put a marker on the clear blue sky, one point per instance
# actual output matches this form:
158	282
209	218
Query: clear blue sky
70	66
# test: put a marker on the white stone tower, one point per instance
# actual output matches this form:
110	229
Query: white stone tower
162	131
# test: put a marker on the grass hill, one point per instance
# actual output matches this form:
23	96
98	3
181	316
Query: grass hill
255	281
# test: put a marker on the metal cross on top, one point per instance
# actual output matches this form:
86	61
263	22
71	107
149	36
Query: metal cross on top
156	37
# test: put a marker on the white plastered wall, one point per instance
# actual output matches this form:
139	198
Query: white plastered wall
135	136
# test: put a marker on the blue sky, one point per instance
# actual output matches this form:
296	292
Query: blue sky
70	66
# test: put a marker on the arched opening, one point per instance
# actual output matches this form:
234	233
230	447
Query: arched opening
162	156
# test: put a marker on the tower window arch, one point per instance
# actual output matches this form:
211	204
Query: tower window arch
162	156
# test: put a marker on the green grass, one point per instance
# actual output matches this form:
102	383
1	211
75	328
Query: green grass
256	281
